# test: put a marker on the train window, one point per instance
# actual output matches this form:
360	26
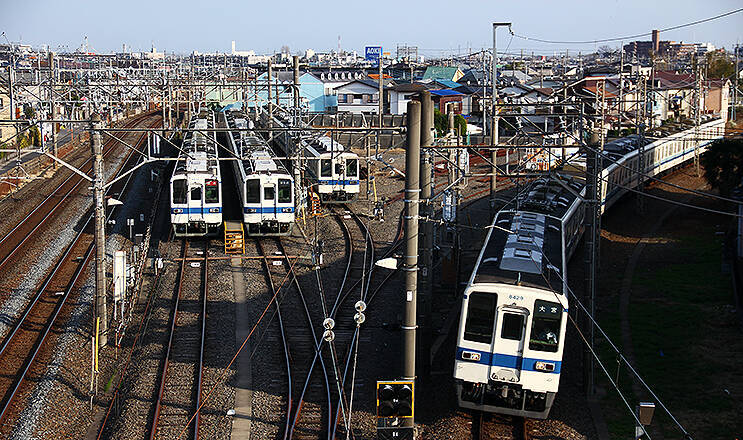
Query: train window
326	168
352	167
545	330
285	191
480	317
253	191
179	191
338	169
512	326
211	192
269	192
196	193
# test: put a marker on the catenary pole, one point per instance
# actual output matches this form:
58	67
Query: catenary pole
100	224
412	190
426	227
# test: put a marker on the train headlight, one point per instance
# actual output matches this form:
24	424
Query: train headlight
286	210
177	211
470	356
250	210
544	366
213	209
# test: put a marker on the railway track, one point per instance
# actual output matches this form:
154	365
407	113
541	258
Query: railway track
487	426
26	230
179	392
309	383
20	349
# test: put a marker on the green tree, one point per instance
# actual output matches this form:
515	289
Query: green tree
720	66
723	164
28	111
440	122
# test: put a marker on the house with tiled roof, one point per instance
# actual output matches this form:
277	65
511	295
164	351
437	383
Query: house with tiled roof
443	72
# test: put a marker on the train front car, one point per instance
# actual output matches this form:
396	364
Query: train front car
335	170
266	187
514	310
196	184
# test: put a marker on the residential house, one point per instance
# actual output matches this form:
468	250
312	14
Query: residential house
312	93
401	94
441	72
472	77
358	96
513	77
717	97
442	98
5	130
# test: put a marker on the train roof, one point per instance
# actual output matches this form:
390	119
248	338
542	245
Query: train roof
529	254
525	244
257	156
199	150
618	148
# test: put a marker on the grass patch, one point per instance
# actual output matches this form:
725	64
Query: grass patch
683	341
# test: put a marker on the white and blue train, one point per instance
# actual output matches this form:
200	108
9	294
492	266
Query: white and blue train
196	184
332	169
514	310
265	187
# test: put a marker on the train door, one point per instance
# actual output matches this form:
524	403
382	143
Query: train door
509	343
195	203
269	201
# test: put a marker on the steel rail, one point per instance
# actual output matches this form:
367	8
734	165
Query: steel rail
4	241
205	291
317	347
274	293
31	357
174	318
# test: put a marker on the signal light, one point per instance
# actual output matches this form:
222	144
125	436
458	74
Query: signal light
395	399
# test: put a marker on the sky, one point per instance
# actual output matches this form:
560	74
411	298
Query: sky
438	28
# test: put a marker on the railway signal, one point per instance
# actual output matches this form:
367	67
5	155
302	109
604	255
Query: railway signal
395	399
395	409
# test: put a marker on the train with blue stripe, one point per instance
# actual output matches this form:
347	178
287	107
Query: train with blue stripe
265	187
514	310
196	183
511	334
332	170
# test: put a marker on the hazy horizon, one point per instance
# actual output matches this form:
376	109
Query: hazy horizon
438	28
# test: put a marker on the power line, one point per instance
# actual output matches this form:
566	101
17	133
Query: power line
629	37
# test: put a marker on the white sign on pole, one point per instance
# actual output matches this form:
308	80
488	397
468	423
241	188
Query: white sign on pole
119	275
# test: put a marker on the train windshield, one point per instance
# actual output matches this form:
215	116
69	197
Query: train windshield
352	167
545	329
326	168
269	192
179	191
480	317
285	191
211	192
512	326
253	191
196	193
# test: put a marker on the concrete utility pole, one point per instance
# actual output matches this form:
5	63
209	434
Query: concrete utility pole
298	162
100	232
53	136
592	224
427	227
496	119
697	116
381	92
412	190
270	103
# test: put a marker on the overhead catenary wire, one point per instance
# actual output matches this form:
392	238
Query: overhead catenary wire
629	37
